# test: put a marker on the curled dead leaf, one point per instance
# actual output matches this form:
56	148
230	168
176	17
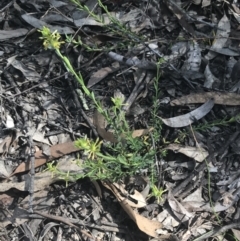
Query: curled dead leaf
137	196
145	225
189	118
198	154
220	98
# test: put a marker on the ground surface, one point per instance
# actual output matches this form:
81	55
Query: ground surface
176	65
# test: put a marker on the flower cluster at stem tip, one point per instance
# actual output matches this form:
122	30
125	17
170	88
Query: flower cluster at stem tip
51	40
90	147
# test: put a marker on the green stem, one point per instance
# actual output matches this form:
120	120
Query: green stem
106	158
81	82
70	69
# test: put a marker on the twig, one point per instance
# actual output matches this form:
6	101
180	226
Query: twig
64	220
141	64
32	172
159	170
7	6
183	184
105	226
218	230
81	109
138	87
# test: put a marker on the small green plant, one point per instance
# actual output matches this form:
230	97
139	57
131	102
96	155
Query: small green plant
51	167
116	161
116	27
67	177
112	24
157	193
155	120
205	126
222	122
125	158
52	41
78	42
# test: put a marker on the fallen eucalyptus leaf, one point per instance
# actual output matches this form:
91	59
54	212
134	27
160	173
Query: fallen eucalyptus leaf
44	179
140	200
36	23
221	36
30	74
187	119
7	34
101	74
146	225
220	98
57	151
178	209
198	154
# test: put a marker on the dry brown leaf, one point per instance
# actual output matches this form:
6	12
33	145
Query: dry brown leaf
40	159
236	233
145	191
147	226
198	154
220	98
178	209
140	200
42	180
141	132
100	74
98	189
100	123
4	145
108	136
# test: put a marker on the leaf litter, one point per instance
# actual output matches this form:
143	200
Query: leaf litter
195	47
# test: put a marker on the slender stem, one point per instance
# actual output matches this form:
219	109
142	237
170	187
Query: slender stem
106	158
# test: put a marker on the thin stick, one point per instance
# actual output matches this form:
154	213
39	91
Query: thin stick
32	172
